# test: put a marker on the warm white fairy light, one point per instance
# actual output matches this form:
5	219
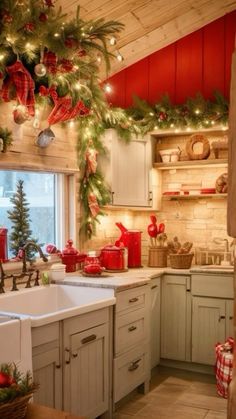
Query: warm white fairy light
78	85
151	113
108	88
176	130
224	127
2	57
188	129
156	127
71	123
119	57
212	122
197	111
112	40
99	58
172	125
56	35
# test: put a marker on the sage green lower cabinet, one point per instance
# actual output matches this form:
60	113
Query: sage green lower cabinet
155	317
47	366
86	363
212	323
176	317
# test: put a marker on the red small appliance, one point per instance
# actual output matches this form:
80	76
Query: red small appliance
113	258
70	257
3	244
132	240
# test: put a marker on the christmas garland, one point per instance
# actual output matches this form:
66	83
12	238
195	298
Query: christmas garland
14	384
195	113
5	139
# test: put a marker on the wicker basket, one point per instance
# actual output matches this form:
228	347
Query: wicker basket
181	261
157	257
16	409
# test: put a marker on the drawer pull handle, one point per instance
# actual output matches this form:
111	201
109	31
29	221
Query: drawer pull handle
153	287
88	339
134	365
133	300
132	328
221	318
67	355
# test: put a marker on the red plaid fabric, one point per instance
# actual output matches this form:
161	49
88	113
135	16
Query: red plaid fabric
63	109
50	61
224	366
23	83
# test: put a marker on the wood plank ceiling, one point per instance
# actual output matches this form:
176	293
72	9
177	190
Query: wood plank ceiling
149	24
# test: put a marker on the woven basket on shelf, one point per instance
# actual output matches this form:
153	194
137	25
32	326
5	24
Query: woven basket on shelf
181	261
157	257
16	409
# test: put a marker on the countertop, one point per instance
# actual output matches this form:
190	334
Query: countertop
136	277
36	411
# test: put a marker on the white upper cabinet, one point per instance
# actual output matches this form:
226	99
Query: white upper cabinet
127	168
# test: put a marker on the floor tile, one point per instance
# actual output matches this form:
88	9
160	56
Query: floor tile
216	415
203	401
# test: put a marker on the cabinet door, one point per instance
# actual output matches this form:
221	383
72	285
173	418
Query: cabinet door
229	318
155	322
175	316
86	372
208	328
48	373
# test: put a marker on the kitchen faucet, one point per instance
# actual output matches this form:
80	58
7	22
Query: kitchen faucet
36	247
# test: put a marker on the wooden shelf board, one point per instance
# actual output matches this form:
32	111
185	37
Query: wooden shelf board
197	164
190	197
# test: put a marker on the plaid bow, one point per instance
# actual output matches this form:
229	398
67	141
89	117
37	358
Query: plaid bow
23	83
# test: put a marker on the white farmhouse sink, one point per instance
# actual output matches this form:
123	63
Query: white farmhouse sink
45	304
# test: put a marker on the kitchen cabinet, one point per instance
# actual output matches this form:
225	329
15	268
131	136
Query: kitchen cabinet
176	317
212	315
131	341
86	363
127	168
155	286
47	367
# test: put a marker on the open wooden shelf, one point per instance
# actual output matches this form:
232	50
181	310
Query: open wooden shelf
197	164
190	197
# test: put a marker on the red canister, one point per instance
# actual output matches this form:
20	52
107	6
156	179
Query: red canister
3	244
70	257
132	240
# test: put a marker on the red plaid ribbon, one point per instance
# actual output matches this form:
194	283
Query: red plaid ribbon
23	83
50	61
63	109
224	366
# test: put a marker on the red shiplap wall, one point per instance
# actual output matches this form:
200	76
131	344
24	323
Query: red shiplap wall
199	62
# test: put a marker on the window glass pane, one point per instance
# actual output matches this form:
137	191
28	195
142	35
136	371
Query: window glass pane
40	194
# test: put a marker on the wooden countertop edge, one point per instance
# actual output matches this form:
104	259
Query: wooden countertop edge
36	411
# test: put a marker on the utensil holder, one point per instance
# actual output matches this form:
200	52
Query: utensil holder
157	257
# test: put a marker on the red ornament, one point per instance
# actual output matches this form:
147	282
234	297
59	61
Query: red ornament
162	116
4	380
29	27
71	43
81	53
43	17
65	66
49	3
6	17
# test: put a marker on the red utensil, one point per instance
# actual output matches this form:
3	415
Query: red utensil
153	228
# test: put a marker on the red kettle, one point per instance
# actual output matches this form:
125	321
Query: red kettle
132	240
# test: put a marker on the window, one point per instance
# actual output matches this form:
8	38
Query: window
44	193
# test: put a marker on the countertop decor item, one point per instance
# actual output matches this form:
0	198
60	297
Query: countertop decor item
16	390
191	144
180	256
157	254
132	240
222	183
170	155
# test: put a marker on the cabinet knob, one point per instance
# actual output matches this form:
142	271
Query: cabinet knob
74	354
132	328
133	300
230	317
221	318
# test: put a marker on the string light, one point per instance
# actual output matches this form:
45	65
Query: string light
107	88
197	111
78	85
119	57
172	125
56	35
151	113
99	58
2	57
112	40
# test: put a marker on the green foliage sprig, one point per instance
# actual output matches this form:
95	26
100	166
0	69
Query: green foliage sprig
18	385
6	137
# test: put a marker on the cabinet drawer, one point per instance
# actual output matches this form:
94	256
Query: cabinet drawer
45	334
130	329
131	299
210	285
130	370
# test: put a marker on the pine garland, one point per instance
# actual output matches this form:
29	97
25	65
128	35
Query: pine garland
16	383
5	138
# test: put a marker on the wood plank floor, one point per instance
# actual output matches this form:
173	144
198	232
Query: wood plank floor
176	394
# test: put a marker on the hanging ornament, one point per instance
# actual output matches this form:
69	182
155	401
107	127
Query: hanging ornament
40	70
49	3
6	17
81	53
65	66
71	43
45	137
20	114
29	27
162	116
43	17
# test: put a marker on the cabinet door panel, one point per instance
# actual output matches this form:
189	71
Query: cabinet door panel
155	322
86	375
174	317
47	372
208	328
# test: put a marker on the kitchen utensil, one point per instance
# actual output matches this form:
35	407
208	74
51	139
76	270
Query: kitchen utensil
132	240
114	257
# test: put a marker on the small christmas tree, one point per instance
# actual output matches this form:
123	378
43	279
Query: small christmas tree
19	216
